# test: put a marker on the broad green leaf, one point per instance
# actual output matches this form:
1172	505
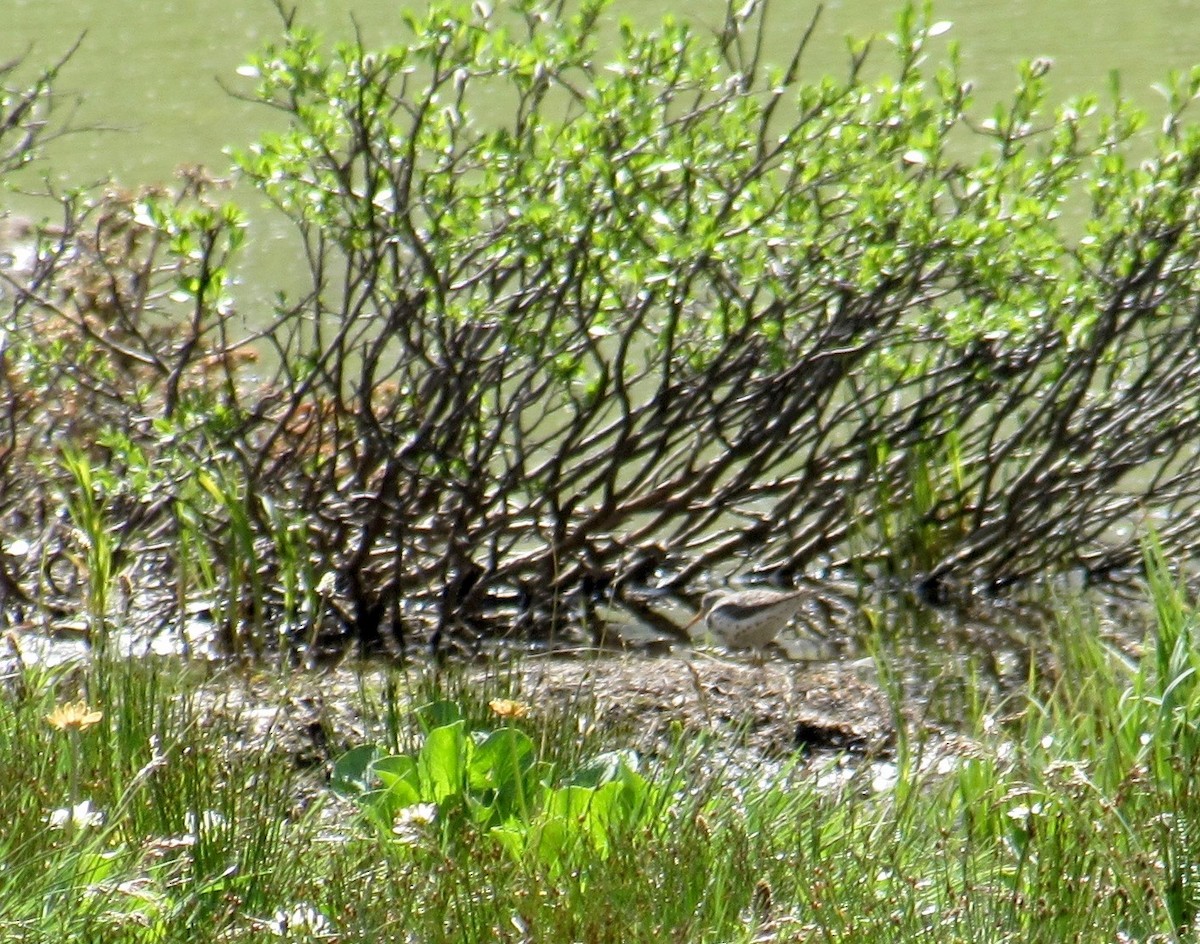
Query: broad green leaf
551	839
513	837
499	769
436	714
501	759
352	771
607	767
442	762
400	780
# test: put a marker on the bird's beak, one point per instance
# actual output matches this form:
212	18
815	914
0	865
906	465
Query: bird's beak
693	621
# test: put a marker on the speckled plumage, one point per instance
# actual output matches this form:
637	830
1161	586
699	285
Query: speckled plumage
749	619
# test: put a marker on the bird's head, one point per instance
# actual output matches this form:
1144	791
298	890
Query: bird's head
707	603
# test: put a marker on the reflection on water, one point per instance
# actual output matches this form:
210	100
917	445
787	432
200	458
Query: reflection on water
156	75
154	72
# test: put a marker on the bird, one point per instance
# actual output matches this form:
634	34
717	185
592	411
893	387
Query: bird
748	619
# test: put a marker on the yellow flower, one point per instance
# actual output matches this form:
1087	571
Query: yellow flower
507	708
75	716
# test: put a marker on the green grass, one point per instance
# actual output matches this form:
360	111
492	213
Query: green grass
1073	813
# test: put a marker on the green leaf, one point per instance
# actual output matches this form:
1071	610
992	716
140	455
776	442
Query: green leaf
352	771
513	837
92	868
400	780
584	813
552	839
443	761
501	758
499	769
439	713
605	768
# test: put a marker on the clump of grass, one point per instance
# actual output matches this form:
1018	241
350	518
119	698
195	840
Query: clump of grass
1068	819
1068	812
131	812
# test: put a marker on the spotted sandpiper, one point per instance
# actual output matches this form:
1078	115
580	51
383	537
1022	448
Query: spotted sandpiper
748	619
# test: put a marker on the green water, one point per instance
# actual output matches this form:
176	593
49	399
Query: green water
156	76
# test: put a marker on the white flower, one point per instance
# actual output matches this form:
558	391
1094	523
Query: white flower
80	816
302	921
1023	813
206	822
410	822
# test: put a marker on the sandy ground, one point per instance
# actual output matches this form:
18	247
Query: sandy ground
747	716
773	708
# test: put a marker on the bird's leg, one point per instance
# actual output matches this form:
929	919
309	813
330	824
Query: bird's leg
758	659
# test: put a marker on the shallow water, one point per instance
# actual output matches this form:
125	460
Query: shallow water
154	72
157	76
